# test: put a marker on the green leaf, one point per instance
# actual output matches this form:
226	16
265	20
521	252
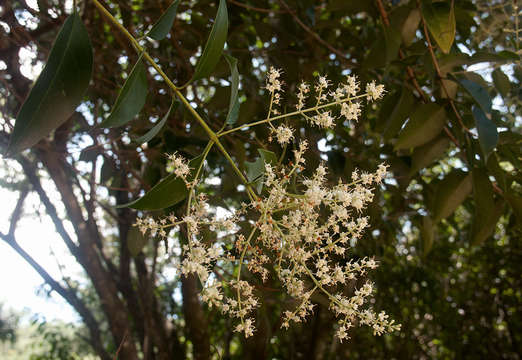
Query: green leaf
268	156
428	153
58	90
392	38
233	107
487	131
169	191
131	97
501	82
214	46
427	234
478	92
255	170
516	204
410	26
162	27
424	125
107	171
440	18
450	193
399	114
156	129
136	241
487	212
89	154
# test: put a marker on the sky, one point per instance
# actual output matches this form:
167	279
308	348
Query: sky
19	283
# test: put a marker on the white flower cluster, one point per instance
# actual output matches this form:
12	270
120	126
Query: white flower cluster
178	164
299	230
321	114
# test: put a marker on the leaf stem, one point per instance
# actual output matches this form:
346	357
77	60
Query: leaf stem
211	134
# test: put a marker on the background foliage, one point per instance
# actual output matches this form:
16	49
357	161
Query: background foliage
445	227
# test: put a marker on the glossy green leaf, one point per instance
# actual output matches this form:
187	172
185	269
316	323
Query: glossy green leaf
136	241
58	90
131	97
478	92
424	125
487	131
428	153
157	127
440	18
169	191
215	43
233	107
162	27
501	82
450	193
400	113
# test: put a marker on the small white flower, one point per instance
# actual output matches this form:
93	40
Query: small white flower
373	91
284	134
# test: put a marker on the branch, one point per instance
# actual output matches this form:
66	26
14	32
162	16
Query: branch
439	72
411	72
339	53
253	8
67	293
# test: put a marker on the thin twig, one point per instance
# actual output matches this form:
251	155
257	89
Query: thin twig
253	8
411	72
343	56
439	72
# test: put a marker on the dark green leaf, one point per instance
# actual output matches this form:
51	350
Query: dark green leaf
500	57
162	27
214	46
399	114
131	97
392	38
156	128
410	26
268	156
450	193
59	88
479	94
233	107
440	18
487	131
427	153
487	212
169	191
107	171
424	125
255	171
136	241
516	204
89	153
501	82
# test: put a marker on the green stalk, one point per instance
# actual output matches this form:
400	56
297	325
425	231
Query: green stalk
211	134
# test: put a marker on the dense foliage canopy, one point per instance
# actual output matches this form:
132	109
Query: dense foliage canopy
444	226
